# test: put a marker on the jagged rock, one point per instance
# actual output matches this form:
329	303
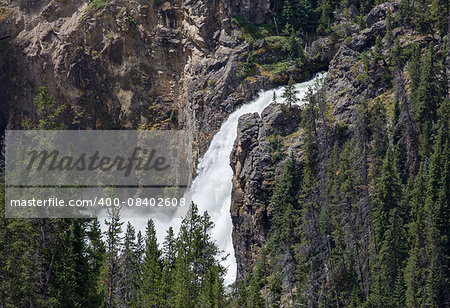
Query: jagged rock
255	10
252	163
379	13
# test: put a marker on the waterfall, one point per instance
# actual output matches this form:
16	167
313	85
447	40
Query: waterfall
211	189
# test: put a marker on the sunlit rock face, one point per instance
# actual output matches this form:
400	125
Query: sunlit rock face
123	64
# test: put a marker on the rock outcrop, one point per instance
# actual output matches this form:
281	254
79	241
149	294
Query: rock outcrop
257	162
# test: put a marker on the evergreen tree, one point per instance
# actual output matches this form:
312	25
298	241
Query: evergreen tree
415	266
255	299
440	12
437	215
274	97
289	16
426	99
386	196
325	12
96	254
305	16
73	271
398	299
290	93
294	47
129	267
150	290
389	35
113	244
414	69
197	271
169	259
377	50
49	112
285	203
422	16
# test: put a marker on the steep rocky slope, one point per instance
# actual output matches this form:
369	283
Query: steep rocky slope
255	162
355	75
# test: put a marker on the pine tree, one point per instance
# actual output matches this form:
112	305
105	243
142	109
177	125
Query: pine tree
388	35
255	300
426	99
289	17
285	203
96	255
310	115
150	290
396	55
113	244
290	93
169	259
422	16
415	266
49	112
305	16
414	69
197	272
73	272
377	50
325	12
405	10
18	244
294	47
440	12
398	298
389	263
386	195
437	214
129	265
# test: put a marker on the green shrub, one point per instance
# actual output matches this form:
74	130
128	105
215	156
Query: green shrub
249	64
98	4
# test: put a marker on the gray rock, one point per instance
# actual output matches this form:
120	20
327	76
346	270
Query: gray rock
252	163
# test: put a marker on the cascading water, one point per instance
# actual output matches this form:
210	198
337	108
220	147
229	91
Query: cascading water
211	189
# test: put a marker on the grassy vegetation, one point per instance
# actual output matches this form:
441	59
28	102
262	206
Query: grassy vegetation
251	31
278	67
121	12
277	42
269	53
98	4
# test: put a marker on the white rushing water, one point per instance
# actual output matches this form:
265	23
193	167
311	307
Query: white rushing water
211	189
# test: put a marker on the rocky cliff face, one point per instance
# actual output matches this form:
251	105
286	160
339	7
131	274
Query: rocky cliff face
127	64
256	161
115	63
